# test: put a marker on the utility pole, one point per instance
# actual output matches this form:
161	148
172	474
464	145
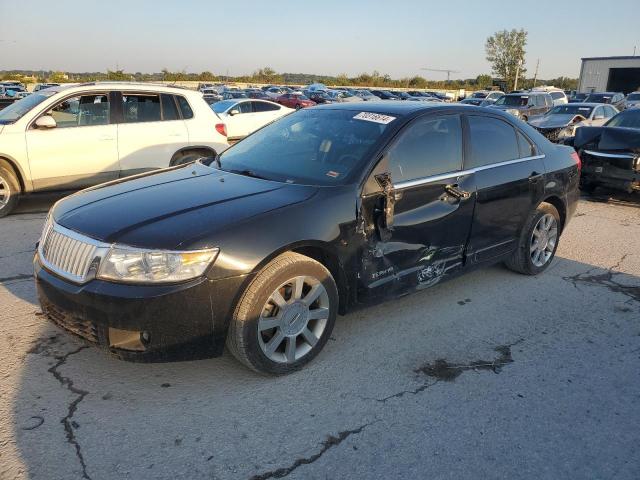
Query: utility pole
535	76
515	82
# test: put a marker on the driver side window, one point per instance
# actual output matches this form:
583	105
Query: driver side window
82	111
429	146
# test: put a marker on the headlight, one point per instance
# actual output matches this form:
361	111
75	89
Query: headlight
128	264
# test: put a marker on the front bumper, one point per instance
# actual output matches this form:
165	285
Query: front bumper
615	174
184	321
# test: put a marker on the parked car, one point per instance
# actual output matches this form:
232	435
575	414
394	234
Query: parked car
578	97
20	95
560	123
632	100
64	138
472	101
242	117
295	100
319	96
612	98
342	96
274	92
611	154
258	94
524	105
325	210
231	94
42	86
385	95
210	95
559	97
489	96
365	95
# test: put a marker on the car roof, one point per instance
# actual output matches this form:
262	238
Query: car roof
396	107
582	104
130	86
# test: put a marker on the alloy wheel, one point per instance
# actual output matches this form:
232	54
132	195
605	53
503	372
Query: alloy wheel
543	240
293	319
5	192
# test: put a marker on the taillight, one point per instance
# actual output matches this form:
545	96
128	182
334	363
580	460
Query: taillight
577	159
221	128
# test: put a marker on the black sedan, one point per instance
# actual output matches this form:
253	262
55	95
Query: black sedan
327	209
385	95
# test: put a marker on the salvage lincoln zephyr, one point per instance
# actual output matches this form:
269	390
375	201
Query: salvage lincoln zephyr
322	211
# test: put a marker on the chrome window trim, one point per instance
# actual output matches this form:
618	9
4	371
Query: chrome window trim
101	249
608	155
461	173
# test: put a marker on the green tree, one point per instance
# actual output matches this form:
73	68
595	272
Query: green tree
118	75
484	81
505	51
58	77
417	82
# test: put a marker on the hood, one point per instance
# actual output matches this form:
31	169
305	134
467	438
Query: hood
166	209
608	138
555	121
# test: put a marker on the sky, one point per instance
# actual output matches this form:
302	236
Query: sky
330	37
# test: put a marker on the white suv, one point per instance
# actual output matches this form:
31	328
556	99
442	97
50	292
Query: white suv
65	138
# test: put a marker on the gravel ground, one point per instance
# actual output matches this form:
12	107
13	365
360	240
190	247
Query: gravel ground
492	375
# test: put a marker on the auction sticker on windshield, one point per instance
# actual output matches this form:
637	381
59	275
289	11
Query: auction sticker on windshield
375	117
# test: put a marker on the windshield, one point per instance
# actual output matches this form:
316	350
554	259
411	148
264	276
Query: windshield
513	100
571	110
627	119
311	147
633	96
17	110
598	98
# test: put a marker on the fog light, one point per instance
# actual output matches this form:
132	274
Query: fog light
145	337
127	339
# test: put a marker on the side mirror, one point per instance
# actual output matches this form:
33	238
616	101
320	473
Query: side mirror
46	122
234	111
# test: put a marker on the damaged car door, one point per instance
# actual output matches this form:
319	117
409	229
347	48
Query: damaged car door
416	209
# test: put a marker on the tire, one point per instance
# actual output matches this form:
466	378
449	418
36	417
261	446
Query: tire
298	107
9	190
523	259
525	118
274	340
189	156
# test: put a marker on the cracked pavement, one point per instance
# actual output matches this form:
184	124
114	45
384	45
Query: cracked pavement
492	375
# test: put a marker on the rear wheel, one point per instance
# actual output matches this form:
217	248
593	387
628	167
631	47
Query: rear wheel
285	316
9	190
538	241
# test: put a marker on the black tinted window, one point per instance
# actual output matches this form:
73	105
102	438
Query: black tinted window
138	108
184	107
264	107
492	141
169	110
428	146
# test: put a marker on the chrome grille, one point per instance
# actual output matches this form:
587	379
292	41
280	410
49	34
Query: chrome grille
67	253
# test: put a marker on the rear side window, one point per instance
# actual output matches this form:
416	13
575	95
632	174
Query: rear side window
140	107
169	109
491	141
429	146
526	147
264	107
187	113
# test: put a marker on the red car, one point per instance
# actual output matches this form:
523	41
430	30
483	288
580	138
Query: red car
295	100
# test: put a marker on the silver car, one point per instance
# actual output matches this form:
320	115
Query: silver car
561	121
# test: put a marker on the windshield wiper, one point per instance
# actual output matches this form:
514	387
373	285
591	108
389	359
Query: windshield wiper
249	173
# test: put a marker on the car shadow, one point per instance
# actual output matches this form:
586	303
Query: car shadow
216	418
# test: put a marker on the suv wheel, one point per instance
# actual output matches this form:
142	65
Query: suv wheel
9	190
285	316
538	241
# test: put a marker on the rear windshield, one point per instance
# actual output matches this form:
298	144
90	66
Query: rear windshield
627	119
513	100
598	98
17	110
311	147
633	96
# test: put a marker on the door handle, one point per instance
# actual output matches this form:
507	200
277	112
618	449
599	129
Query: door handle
455	191
535	177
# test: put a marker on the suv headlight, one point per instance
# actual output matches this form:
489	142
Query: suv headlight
134	265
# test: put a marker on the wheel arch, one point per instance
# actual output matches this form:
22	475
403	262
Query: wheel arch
559	204
323	253
193	148
13	165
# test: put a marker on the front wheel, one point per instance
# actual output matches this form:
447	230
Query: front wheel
9	191
298	107
285	316
538	241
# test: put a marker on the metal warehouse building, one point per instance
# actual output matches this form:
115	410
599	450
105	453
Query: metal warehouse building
610	74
